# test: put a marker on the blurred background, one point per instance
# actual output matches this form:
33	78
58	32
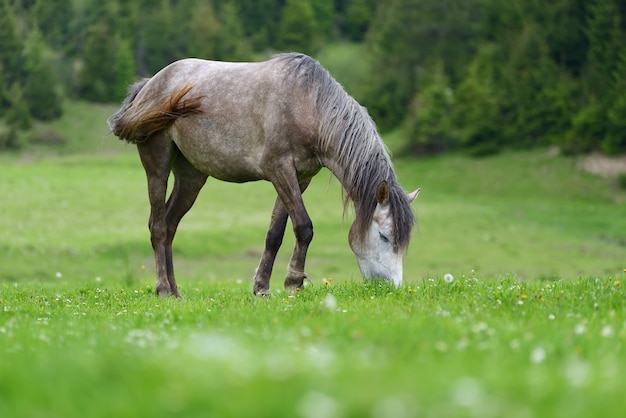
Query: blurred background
510	115
471	75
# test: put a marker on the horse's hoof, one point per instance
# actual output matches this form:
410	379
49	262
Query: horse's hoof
163	291
292	290
166	291
262	292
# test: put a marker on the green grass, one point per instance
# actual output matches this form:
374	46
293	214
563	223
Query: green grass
532	325
487	348
529	214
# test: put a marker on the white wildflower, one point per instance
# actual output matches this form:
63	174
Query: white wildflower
538	355
607	331
330	302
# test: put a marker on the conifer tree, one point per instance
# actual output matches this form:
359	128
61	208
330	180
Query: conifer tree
41	84
10	48
430	118
97	76
615	140
298	27
204	30
232	43
124	69
357	19
324	15
54	19
602	32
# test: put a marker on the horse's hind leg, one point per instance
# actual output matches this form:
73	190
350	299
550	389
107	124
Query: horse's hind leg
156	156
187	184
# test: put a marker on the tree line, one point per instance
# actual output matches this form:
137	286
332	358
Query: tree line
470	75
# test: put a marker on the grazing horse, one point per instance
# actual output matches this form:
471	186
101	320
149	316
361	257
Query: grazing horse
281	120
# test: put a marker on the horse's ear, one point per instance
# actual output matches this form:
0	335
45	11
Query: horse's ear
382	193
413	195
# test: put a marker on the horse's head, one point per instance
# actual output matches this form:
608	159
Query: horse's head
377	253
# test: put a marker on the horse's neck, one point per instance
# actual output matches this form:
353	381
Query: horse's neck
347	172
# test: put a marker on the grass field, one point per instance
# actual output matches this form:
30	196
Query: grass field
531	325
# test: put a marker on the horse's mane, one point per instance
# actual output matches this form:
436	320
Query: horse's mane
349	132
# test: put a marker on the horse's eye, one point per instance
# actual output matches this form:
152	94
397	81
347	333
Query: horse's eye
384	238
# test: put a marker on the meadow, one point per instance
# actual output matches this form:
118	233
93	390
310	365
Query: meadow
513	303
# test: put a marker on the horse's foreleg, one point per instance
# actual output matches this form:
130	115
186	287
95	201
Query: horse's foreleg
290	193
155	154
273	240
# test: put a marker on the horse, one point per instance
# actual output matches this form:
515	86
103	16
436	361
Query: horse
280	120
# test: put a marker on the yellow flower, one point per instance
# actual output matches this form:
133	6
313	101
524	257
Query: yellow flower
616	283
524	296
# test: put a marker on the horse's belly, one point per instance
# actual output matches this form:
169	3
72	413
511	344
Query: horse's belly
228	160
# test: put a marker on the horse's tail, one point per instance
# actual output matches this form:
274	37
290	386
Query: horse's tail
136	121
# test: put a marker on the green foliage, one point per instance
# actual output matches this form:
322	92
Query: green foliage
125	72
11	68
157	39
535	73
615	140
605	43
54	18
477	106
204	32
41	86
97	79
298	27
358	17
407	35
232	44
430	125
324	16
549	82
17	115
588	129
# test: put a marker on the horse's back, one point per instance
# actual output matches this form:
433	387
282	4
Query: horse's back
248	114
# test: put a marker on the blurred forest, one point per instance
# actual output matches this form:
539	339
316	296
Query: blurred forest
470	75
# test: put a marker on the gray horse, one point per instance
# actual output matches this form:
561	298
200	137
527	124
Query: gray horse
281	120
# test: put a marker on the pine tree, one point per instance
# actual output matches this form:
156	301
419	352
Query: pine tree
16	117
54	19
232	43
157	38
603	35
259	18
535	108
124	69
41	84
430	121
477	115
97	79
324	15
10	49
357	19
204	31
298	27
615	140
